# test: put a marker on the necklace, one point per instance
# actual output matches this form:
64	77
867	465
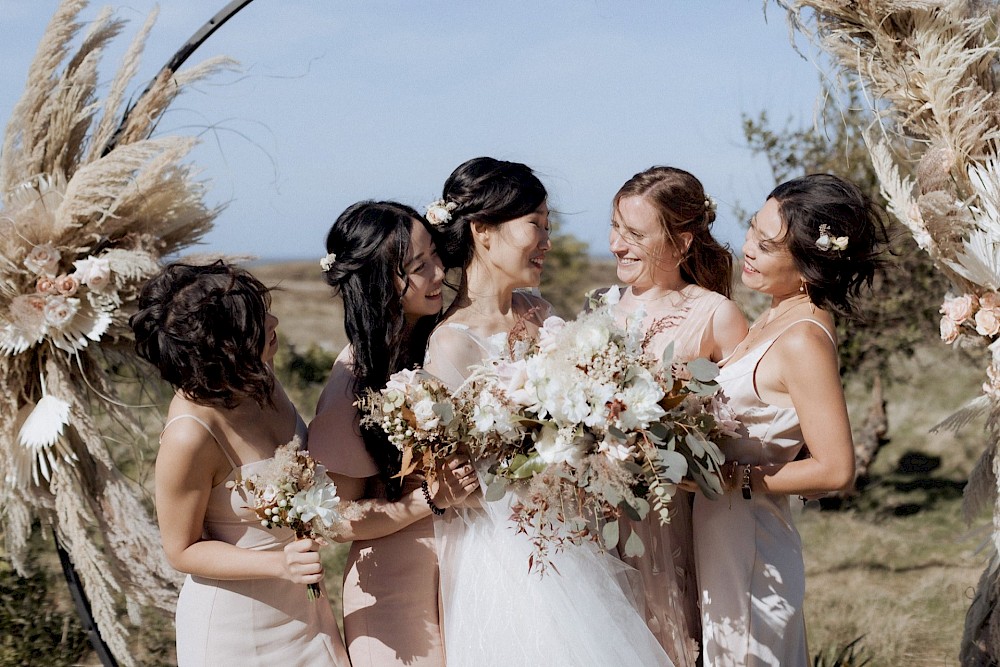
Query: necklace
755	334
668	293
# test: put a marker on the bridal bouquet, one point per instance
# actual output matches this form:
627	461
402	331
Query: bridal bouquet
293	491
421	417
594	428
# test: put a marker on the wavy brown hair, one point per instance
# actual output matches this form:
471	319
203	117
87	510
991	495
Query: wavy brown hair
203	328
683	207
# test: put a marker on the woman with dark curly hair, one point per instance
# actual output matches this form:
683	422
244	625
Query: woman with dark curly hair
208	331
812	247
383	263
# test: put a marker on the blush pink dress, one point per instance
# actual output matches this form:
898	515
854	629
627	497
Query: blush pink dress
390	583
667	568
251	622
749	554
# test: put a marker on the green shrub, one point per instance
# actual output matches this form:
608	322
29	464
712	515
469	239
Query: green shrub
35	630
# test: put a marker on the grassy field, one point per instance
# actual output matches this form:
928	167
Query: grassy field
896	567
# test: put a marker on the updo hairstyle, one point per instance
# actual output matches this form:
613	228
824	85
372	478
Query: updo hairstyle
487	191
823	204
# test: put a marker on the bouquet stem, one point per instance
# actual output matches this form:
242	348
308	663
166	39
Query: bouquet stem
313	591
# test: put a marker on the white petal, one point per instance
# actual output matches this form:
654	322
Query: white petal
45	423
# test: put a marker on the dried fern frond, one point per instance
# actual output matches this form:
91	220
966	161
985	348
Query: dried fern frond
87	214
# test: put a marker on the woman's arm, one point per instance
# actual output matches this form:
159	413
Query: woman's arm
188	464
335	441
806	368
372	518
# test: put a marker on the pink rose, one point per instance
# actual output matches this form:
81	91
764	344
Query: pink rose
988	322
990	300
43	259
959	308
45	285
67	284
949	329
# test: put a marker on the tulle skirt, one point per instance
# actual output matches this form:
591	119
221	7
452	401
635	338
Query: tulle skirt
496	612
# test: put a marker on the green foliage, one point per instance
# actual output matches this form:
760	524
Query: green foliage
902	309
33	626
851	655
303	374
565	263
301	370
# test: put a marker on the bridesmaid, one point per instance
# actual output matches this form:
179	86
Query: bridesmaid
384	265
812	247
681	277
208	331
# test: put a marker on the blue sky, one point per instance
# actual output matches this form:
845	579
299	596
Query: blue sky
354	99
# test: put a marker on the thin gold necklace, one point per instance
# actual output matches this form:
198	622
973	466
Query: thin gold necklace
773	316
656	298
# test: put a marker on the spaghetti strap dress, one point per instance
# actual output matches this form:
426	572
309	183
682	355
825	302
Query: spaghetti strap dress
251	622
749	555
667	581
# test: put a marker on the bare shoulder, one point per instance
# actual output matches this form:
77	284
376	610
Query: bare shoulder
807	338
729	317
448	334
186	444
340	383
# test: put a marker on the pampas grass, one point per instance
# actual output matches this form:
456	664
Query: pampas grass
83	179
929	70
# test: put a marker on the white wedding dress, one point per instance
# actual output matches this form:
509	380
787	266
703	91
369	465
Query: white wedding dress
495	611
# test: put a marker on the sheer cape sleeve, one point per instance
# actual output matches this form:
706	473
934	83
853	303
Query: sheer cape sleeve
335	434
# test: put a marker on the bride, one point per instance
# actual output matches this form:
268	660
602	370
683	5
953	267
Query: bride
493	224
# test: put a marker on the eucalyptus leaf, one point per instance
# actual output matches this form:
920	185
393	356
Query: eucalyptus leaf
634	546
695	441
659	431
703	370
496	490
667	358
709	483
610	534
674	464
637	510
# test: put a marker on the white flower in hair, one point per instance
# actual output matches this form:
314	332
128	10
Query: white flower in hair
826	242
327	262
710	204
439	212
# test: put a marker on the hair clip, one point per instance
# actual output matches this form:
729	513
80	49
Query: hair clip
826	242
710	204
439	212
327	262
